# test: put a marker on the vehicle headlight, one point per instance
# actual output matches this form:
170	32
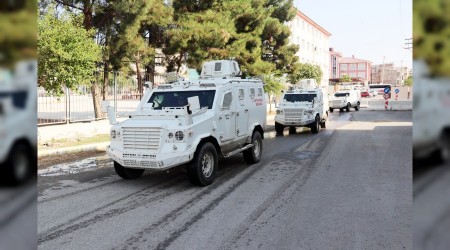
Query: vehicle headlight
279	111
113	134
179	135
170	135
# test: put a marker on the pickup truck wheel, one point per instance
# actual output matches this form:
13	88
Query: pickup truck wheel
279	128
19	166
127	173
348	107
342	110
202	170
253	155
357	106
445	148
331	110
315	127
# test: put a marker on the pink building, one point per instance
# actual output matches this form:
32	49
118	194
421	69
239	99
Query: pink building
358	69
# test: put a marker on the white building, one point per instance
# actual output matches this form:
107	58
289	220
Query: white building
314	43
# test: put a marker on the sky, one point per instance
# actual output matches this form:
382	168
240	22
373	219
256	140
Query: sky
369	30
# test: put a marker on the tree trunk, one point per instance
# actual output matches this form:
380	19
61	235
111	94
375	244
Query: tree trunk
96	99
139	79
105	81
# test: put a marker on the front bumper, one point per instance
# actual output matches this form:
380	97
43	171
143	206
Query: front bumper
299	122
146	161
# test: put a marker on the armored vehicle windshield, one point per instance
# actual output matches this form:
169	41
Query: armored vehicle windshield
172	99
299	97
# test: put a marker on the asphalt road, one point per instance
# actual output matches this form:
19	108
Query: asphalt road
348	187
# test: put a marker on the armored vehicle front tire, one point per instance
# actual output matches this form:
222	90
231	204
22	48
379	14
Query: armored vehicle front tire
127	173
279	128
19	166
202	170
315	127
253	155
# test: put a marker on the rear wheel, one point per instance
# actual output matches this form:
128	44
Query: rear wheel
331	110
357	106
253	155
127	173
315	127
322	124
279	128
445	147
202	170
292	130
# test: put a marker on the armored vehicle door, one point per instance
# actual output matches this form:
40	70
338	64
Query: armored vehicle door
242	111
227	116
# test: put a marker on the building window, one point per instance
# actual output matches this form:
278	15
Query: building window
362	74
352	74
352	66
343	74
343	66
361	66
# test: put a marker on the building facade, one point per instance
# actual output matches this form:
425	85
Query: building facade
335	58
389	74
313	42
356	68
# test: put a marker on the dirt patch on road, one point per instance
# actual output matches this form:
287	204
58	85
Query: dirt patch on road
48	161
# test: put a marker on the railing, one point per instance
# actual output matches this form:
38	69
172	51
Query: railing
78	106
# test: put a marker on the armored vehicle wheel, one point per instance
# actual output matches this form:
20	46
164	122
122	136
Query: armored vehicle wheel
202	170
315	127
323	125
342	110
348	107
445	147
279	128
253	155
292	130
127	173
357	106
331	110
19	166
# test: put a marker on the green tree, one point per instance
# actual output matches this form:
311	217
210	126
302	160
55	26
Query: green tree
345	78
273	85
306	71
67	54
409	81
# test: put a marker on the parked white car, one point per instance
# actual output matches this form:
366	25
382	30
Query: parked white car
305	106
192	123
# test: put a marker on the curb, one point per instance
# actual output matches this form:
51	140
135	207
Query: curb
101	147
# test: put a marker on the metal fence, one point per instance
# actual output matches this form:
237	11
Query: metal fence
77	105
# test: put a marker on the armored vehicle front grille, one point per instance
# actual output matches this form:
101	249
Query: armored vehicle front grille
141	139
293	115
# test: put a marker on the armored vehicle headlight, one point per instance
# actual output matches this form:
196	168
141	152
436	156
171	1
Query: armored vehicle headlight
179	135
113	134
170	135
279	111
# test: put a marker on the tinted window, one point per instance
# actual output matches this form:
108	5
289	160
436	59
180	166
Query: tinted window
217	66
227	99
341	94
19	98
179	99
299	97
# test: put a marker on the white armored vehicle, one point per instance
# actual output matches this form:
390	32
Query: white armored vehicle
18	133
306	106
192	123
345	99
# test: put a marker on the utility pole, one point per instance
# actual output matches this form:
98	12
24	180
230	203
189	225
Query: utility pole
408	43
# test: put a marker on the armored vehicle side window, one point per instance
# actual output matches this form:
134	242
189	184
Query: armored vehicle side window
179	98
341	94
19	98
217	66
252	92
299	97
260	92
241	94
227	99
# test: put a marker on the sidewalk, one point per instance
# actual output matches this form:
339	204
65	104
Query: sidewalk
76	131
